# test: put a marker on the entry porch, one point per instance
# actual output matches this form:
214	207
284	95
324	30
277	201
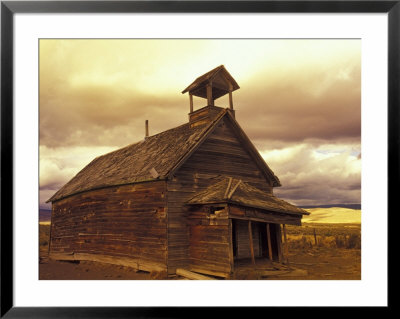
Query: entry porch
222	245
232	223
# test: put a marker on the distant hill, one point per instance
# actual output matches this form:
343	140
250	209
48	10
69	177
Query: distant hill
351	206
333	215
44	215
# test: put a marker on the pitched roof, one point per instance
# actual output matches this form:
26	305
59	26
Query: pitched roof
197	87
155	157
230	190
134	162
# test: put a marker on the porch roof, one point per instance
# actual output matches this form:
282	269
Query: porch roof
235	191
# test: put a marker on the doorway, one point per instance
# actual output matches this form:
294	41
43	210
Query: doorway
241	240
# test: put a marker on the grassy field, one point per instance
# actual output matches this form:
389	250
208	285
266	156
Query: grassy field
334	227
311	235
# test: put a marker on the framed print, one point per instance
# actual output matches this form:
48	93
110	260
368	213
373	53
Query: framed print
243	145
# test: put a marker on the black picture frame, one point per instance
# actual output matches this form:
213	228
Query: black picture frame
9	8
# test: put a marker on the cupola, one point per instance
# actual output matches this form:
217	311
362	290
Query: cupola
210	86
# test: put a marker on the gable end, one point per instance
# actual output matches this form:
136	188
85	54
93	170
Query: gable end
237	137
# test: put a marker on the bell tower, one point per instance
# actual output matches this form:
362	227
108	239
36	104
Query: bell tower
210	86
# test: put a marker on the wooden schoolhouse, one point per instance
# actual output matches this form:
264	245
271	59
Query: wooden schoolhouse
198	197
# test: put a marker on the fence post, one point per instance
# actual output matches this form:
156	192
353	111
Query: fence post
286	243
315	238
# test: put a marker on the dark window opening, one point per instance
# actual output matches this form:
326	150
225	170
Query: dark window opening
240	240
215	209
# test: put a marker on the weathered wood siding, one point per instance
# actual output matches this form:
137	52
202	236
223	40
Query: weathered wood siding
209	249
124	222
209	238
203	115
221	154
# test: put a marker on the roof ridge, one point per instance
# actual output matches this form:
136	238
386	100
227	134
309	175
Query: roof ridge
138	142
170	129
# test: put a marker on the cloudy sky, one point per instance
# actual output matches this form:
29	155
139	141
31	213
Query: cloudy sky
299	102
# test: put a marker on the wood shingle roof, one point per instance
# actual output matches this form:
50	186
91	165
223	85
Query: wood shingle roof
230	190
134	163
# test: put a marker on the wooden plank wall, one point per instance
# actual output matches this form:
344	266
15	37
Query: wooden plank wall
203	115
220	154
127	221
223	154
209	249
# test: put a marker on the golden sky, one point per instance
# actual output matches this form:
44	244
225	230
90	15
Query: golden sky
299	102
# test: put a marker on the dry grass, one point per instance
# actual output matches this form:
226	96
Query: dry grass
309	236
44	236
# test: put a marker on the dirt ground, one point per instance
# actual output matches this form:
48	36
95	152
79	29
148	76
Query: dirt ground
315	264
327	263
88	270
